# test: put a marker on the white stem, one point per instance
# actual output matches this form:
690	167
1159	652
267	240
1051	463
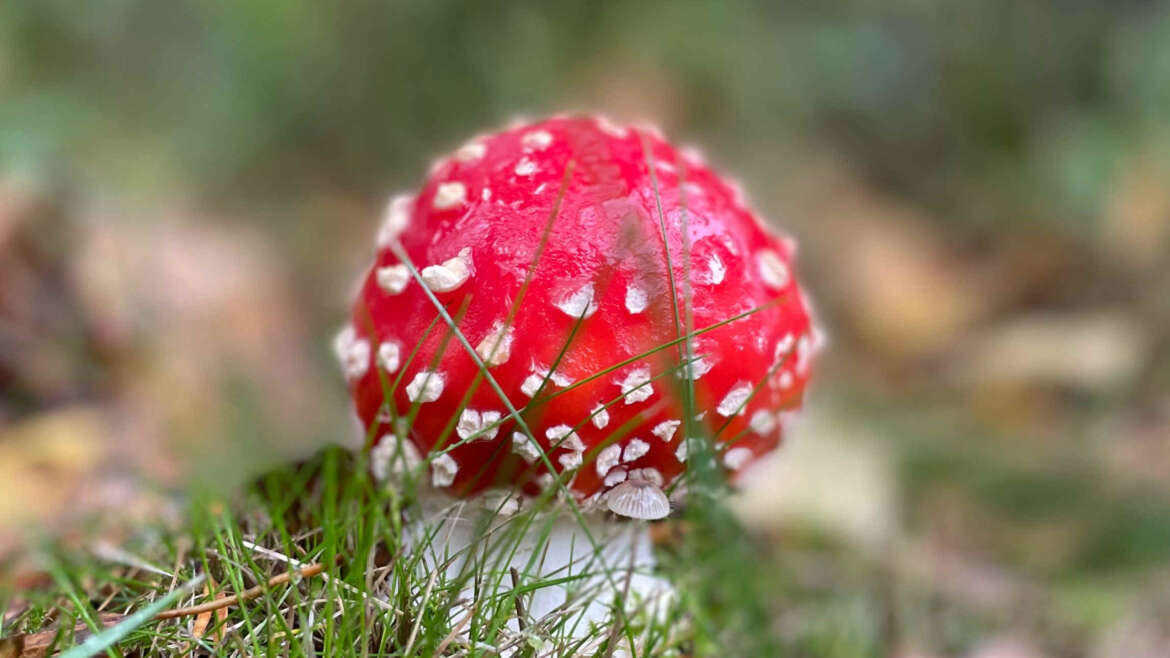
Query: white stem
601	560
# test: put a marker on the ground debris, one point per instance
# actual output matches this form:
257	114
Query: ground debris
35	645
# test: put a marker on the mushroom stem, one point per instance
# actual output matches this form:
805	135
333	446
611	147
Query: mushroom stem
570	574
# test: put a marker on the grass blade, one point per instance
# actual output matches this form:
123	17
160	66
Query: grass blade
100	642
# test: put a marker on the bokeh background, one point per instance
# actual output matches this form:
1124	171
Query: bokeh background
981	192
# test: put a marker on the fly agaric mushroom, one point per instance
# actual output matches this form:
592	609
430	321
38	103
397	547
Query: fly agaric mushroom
595	274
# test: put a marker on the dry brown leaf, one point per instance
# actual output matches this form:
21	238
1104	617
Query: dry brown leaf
43	460
199	627
36	645
1095	350
1006	647
884	271
1137	219
195	303
203	620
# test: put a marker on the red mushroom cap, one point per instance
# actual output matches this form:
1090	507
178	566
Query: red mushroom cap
600	295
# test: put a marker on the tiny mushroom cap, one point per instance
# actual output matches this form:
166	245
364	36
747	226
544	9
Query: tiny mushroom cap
568	253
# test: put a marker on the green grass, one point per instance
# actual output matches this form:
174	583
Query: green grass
372	598
801	594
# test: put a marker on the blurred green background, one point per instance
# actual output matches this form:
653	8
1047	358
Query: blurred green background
981	192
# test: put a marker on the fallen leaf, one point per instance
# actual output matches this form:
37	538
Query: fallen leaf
36	645
199	627
1006	647
1091	351
887	276
43	460
1137	219
203	620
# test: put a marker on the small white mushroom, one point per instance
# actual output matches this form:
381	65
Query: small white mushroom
443	470
636	385
450	195
389	356
773	271
392	279
426	386
635	449
352	352
608	458
733	403
579	304
638	499
450	275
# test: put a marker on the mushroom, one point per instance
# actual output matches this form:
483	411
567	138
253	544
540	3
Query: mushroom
571	307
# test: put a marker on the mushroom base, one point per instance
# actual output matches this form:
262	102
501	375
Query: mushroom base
574	573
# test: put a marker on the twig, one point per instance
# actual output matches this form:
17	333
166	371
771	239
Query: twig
250	593
38	644
297	563
521	616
